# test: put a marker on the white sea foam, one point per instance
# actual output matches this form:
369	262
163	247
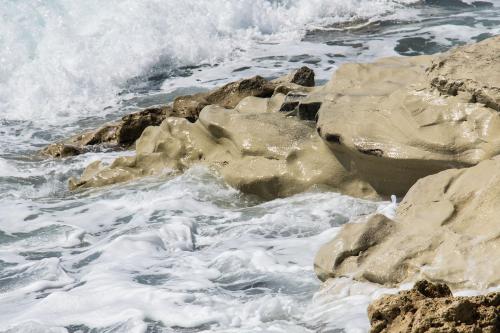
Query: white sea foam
60	59
169	252
175	252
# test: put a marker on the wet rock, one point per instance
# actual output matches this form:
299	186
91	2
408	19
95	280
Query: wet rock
472	71
303	76
190	106
61	150
445	229
115	135
260	105
132	125
233	93
261	153
401	119
227	96
432	308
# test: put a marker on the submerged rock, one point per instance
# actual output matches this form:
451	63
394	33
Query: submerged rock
432	308
400	119
445	229
120	134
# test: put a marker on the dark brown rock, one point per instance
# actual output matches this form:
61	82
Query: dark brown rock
231	94
432	308
134	124
227	96
303	76
190	106
120	134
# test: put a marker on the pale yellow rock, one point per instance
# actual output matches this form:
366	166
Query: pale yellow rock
473	70
387	121
260	105
446	229
262	153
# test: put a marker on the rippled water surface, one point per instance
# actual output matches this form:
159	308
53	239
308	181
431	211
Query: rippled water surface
180	253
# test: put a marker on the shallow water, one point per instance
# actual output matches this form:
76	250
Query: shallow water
178	253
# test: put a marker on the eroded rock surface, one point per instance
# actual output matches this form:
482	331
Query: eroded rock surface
231	94
263	153
446	229
400	119
432	308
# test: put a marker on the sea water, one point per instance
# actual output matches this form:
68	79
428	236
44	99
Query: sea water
179	253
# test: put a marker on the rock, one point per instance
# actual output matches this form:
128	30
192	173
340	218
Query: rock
285	88
260	105
132	125
233	93
227	96
303	76
445	229
261	153
469	71
394	121
297	103
116	135
432	308
190	106
292	101
61	150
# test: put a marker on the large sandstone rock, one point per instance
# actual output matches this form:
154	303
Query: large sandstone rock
262	153
400	119
119	134
446	229
432	308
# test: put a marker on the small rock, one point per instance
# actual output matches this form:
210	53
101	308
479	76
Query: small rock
134	124
61	150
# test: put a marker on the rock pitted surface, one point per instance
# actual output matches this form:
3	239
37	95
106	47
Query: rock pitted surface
400	119
263	153
119	134
432	308
446	229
